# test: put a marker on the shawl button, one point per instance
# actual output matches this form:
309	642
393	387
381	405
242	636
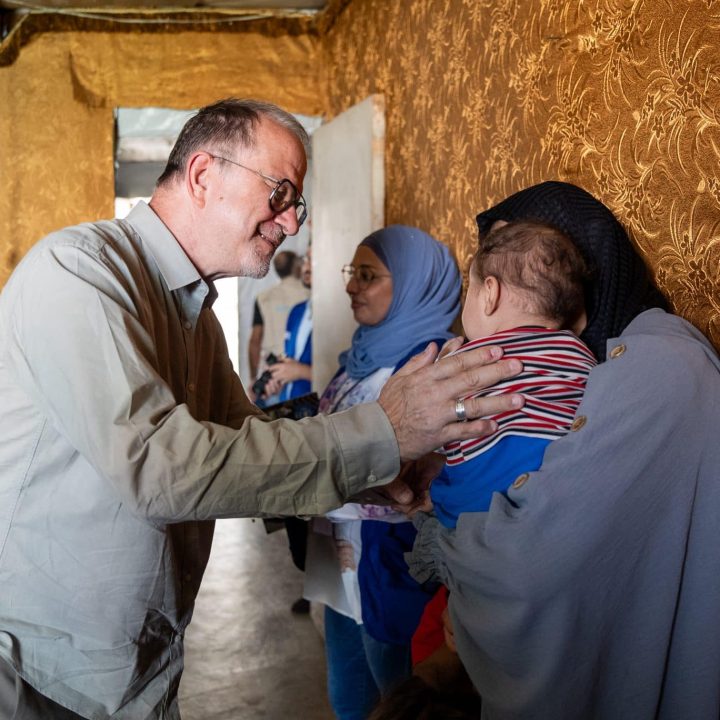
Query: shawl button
578	423
520	480
617	351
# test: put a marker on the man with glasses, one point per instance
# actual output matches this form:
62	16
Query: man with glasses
124	431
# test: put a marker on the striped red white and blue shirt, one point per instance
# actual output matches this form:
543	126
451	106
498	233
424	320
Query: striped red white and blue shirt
556	365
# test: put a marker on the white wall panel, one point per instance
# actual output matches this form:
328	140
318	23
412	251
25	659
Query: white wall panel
348	180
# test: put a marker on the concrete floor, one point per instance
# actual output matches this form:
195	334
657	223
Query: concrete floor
247	656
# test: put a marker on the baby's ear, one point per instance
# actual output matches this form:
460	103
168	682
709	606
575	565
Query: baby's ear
492	294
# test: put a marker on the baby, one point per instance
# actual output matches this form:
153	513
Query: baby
525	294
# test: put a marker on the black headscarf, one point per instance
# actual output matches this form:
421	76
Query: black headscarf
620	287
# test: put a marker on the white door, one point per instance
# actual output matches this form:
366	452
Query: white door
348	181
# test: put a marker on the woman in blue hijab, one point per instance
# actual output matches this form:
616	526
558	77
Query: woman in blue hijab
404	289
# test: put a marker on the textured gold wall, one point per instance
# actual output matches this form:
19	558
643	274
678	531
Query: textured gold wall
485	97
57	97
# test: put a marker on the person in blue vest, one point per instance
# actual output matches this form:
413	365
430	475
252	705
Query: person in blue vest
292	375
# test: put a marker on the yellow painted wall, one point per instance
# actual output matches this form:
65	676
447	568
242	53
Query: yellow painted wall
57	98
56	154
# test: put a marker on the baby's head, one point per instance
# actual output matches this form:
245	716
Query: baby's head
524	273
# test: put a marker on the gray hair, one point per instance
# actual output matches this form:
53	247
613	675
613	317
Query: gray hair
223	125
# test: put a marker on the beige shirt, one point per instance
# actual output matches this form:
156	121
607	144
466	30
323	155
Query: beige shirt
123	433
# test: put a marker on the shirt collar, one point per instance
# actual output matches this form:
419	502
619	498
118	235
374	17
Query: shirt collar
174	265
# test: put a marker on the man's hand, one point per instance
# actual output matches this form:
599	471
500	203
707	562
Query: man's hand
419	399
450	346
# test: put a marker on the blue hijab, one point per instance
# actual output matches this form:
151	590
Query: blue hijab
425	302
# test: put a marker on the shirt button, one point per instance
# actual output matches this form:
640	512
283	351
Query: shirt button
617	351
578	423
187	325
191	387
372	478
520	480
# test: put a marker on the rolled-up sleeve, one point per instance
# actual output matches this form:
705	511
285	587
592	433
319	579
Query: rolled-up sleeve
86	352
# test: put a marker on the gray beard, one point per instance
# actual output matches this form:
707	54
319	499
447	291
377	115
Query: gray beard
259	267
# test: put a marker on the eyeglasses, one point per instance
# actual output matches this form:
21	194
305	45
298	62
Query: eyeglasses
363	275
283	195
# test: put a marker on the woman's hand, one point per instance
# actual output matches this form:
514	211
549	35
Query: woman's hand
284	371
448	631
272	387
417	475
287	370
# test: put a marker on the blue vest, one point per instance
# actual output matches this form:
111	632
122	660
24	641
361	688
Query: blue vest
297	387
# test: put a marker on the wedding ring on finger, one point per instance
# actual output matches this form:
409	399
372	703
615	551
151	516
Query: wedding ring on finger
460	410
